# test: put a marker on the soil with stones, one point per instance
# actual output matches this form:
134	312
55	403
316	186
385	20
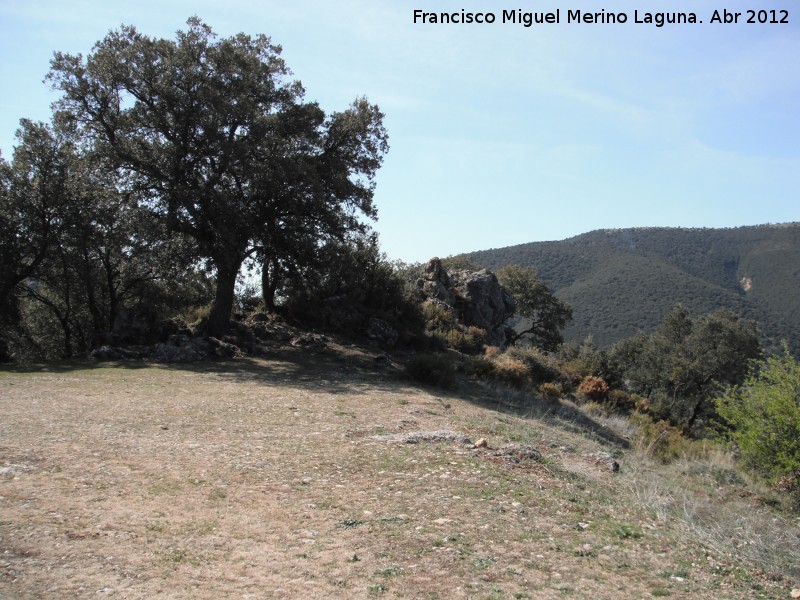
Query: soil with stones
319	476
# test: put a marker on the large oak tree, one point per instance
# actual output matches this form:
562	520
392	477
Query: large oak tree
214	136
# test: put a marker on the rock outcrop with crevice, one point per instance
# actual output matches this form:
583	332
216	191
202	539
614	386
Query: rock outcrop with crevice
476	296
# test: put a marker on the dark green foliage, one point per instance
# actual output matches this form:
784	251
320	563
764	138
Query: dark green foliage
33	194
442	323
215	137
621	281
544	315
764	417
680	367
621	401
83	262
438	316
349	282
470	340
480	367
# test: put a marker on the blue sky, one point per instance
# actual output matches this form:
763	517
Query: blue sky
502	134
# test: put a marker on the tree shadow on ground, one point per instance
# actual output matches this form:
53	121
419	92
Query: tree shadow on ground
352	372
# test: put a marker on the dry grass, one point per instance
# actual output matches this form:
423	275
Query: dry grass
284	479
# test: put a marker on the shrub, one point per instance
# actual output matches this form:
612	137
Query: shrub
622	401
570	375
464	341
540	366
435	343
432	368
479	334
512	371
438	316
790	485
764	416
551	391
480	367
593	408
196	314
659	440
593	388
492	352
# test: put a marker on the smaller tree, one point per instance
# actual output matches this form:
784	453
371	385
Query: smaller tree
350	282
544	315
764	416
34	191
680	367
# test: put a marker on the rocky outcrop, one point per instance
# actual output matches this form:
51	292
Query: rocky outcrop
436	283
476	296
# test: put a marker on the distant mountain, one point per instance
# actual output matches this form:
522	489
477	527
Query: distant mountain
620	281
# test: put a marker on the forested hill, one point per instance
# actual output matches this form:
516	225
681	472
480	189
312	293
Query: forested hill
620	281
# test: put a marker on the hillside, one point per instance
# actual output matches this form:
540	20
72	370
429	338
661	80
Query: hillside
621	281
320	475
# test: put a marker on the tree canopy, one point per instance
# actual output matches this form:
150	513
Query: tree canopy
214	137
544	314
682	364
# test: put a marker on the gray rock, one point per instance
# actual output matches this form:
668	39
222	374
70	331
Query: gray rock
477	297
107	352
415	437
310	341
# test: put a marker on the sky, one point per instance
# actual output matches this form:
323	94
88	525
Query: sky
503	134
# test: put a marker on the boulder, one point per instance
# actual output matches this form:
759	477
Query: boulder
435	282
477	297
481	301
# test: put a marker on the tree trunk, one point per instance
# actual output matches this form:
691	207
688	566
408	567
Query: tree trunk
220	316
67	351
269	283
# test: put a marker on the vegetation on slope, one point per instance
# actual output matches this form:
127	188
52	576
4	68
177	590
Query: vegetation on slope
622	281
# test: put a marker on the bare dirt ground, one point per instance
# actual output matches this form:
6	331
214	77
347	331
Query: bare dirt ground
293	478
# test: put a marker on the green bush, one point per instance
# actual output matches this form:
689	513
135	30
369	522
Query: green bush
541	367
438	316
432	368
659	440
623	402
764	416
